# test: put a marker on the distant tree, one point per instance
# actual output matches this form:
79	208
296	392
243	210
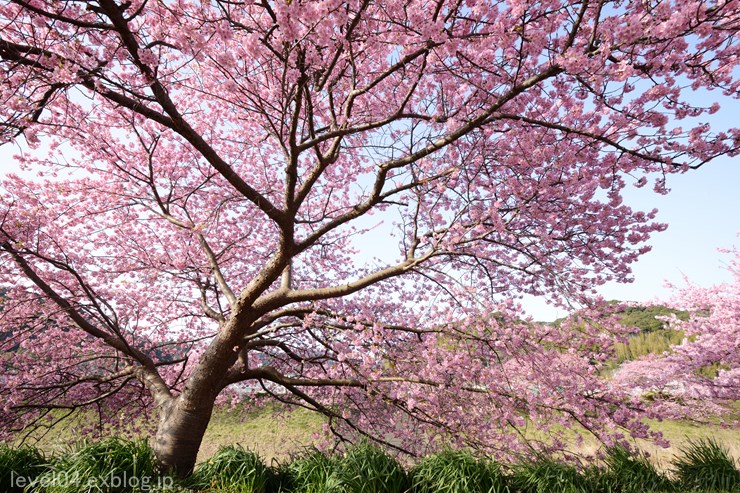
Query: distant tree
211	169
696	377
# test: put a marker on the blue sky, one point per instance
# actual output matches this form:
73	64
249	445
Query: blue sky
703	214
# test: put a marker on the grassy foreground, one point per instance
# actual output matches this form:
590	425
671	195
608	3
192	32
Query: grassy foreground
277	435
268	451
114	465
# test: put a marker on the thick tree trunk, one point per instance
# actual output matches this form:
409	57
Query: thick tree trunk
184	419
179	435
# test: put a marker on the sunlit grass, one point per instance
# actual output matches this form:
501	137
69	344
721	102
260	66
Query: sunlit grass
312	471
278	436
272	434
704	466
646	343
633	473
546	475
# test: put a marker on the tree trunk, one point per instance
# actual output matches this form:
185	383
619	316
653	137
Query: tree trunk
179	435
184	419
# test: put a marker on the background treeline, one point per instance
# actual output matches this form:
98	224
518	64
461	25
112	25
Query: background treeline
654	337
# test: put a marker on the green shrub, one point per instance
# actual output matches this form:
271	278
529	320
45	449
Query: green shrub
111	465
367	469
19	466
456	472
704	465
234	470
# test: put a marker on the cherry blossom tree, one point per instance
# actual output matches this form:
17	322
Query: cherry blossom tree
701	376
208	171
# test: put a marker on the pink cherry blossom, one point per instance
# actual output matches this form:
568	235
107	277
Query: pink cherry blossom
700	377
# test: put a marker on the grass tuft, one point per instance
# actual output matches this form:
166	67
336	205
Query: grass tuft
233	469
704	465
366	468
312	472
629	473
119	466
456	472
111	465
19	466
546	475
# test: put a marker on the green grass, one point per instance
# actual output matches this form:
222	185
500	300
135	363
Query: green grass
644	343
456	472
546	475
682	433
706	466
278	436
19	466
265	430
633	473
366	468
233	470
111	465
311	471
